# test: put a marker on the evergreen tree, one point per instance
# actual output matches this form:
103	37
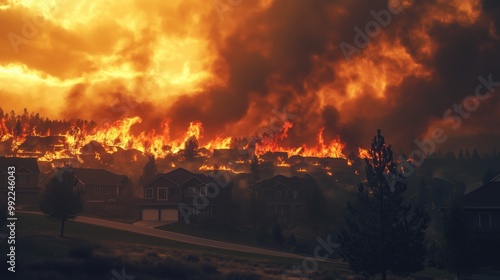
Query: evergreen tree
423	194
467	155
62	199
18	130
191	148
149	171
383	233
475	154
461	156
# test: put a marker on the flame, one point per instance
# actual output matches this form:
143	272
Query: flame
333	149
301	170
363	153
205	167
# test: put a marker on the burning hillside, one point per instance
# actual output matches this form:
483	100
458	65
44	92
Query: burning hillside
25	138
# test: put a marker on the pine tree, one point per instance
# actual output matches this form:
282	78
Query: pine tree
383	233
475	154
191	148
61	198
149	171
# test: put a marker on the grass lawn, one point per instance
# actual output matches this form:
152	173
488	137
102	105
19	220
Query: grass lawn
35	224
226	235
38	242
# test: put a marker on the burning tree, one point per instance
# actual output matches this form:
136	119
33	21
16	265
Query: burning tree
149	171
191	148
383	233
61	198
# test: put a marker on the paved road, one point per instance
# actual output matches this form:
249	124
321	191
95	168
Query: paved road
179	237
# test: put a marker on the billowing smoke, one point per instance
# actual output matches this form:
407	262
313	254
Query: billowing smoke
348	66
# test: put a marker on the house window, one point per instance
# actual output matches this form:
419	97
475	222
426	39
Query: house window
162	193
191	191
97	189
203	191
295	194
286	194
278	194
484	220
149	193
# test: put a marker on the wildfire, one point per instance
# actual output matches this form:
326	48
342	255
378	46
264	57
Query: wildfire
363	153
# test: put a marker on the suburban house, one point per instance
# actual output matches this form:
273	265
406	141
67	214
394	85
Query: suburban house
27	174
483	206
281	193
181	190
99	185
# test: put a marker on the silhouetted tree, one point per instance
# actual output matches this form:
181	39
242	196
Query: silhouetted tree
277	234
494	154
423	194
461	156
450	156
475	154
383	233
18	130
457	245
467	155
149	171
62	199
191	148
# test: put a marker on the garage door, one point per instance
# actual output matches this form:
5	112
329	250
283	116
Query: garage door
169	215
150	214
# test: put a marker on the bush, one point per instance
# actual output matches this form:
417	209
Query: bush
80	252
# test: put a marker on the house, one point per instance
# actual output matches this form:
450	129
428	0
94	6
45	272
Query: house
27	174
483	206
99	185
281	193
179	190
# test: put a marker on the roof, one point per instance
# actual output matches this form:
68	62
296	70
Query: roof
29	164
91	176
180	176
486	196
288	182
